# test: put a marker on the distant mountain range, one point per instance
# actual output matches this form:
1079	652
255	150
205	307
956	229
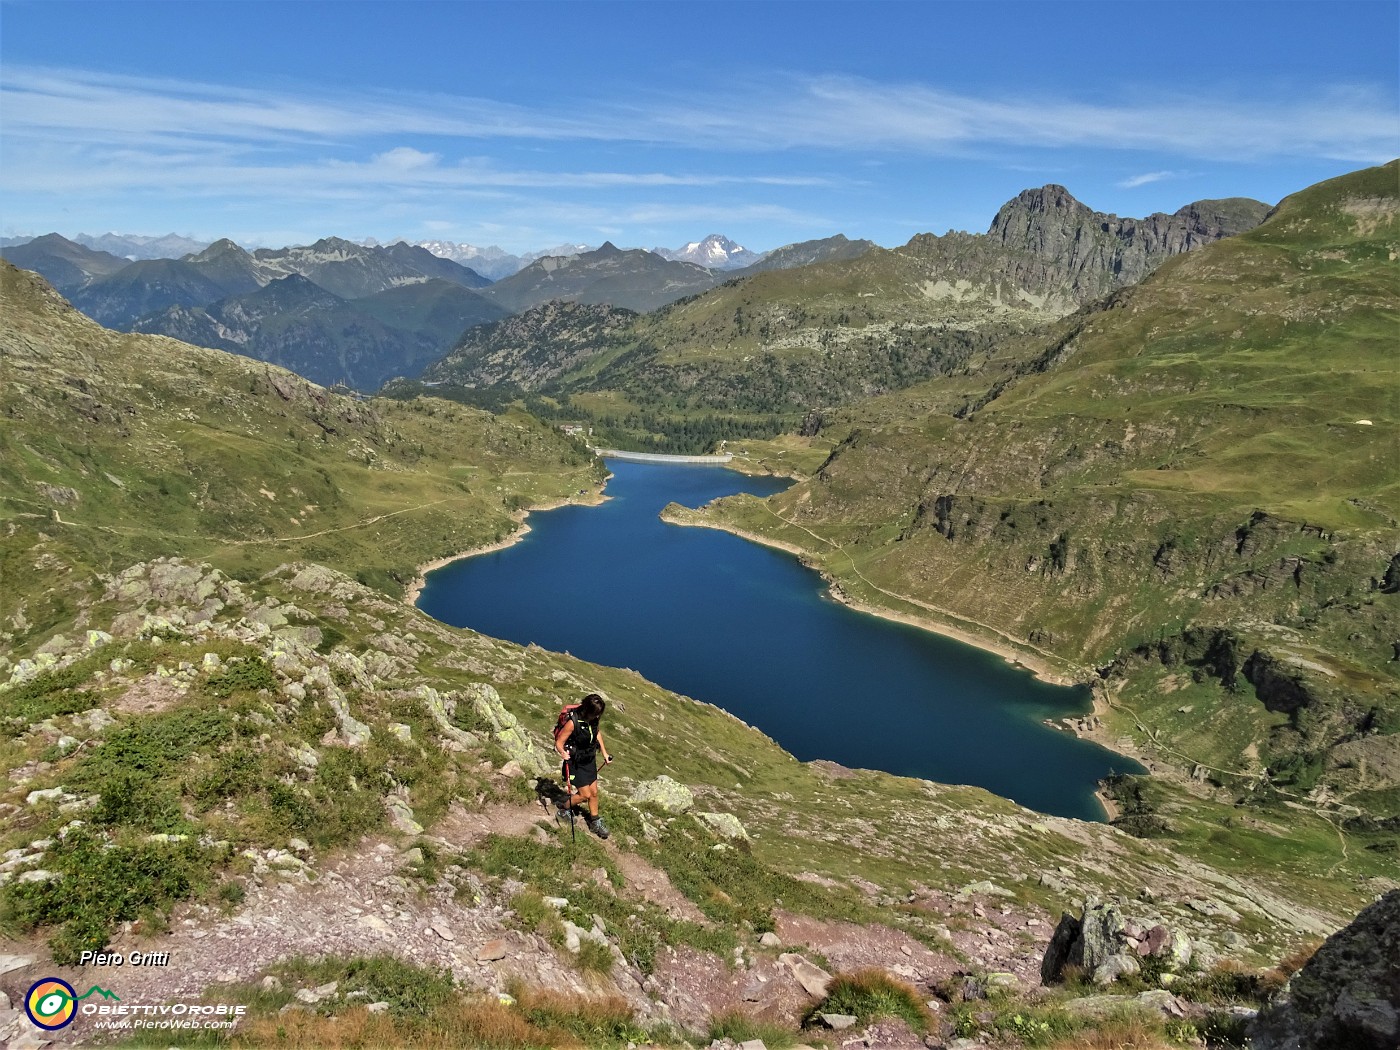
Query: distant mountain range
845	320
492	262
128	246
1044	254
116	292
634	279
362	342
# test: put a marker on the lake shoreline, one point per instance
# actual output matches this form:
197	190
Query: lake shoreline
1040	668
589	498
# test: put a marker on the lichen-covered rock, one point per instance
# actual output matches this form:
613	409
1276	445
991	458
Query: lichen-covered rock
670	795
726	825
1115	966
401	816
352	730
441	708
815	981
1106	946
986	888
1348	993
320	580
506	729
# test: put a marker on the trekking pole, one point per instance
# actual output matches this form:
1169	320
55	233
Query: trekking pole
569	787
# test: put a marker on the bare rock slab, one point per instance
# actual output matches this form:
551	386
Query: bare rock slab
814	980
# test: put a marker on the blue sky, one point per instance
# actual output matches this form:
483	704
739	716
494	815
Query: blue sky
529	125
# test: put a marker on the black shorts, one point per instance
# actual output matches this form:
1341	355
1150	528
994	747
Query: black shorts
582	771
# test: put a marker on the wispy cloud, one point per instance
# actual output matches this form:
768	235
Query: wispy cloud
1147	178
743	151
777	113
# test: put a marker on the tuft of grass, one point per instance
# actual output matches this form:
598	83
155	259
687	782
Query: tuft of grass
741	1028
594	957
871	994
1230	982
1126	1033
604	1021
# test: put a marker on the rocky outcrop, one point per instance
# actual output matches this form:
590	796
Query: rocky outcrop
671	796
534	347
1105	946
1347	996
1065	244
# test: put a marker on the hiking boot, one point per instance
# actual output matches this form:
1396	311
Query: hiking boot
563	809
596	825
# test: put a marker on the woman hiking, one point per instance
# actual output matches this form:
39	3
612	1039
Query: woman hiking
578	739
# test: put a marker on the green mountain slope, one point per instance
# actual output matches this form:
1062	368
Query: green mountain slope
1192	485
120	447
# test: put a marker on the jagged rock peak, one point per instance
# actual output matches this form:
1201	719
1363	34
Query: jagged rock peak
1048	199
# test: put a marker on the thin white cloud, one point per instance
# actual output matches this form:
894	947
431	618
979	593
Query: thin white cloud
1147	178
781	113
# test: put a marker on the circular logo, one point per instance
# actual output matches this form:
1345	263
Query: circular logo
51	1003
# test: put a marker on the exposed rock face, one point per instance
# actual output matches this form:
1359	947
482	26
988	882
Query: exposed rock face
1066	243
534	347
1105	946
1347	997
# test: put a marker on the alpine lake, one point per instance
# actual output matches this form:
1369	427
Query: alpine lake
751	630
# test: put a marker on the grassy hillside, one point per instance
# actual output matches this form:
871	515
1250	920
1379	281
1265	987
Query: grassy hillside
120	447
1191	486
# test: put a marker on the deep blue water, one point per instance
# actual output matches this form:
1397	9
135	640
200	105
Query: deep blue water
751	630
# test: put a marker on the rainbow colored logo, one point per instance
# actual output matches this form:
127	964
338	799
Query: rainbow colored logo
51	1002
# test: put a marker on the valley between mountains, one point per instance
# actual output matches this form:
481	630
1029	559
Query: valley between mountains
1155	456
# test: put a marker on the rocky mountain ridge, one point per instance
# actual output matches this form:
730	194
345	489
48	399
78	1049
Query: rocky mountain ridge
862	321
532	348
1070	254
298	324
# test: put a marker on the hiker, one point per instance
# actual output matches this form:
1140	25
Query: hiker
578	741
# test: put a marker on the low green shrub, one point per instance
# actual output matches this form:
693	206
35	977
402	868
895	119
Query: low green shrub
51	693
102	883
248	674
